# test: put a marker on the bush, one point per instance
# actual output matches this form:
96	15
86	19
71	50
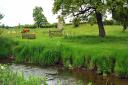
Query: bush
108	22
1	31
76	22
6	46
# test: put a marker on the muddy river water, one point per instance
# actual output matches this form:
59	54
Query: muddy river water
67	77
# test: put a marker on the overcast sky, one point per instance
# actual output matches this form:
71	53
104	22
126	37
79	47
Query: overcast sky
20	11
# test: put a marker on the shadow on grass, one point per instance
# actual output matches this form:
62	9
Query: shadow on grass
96	39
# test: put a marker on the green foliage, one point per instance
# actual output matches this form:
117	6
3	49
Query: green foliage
1	16
37	54
1	31
119	13
9	78
109	22
76	22
104	65
73	6
6	46
27	53
90	83
50	56
92	20
121	64
39	18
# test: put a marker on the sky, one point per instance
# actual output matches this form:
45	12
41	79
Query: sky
20	11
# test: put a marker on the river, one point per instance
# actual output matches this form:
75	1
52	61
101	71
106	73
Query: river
67	77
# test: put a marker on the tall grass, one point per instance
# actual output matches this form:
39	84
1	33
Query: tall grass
105	62
6	46
37	54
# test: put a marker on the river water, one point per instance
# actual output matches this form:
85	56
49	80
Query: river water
67	77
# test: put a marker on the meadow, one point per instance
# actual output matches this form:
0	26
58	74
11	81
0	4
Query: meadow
77	48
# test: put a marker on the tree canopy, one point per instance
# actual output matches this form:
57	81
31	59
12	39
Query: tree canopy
39	18
120	14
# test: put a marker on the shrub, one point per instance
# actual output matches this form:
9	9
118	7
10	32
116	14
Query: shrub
108	22
6	46
76	22
1	31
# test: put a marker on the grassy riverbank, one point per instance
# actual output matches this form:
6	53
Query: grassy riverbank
79	47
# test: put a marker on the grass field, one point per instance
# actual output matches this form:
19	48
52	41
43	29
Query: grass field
78	47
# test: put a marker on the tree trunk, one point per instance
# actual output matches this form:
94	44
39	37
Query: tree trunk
100	24
124	27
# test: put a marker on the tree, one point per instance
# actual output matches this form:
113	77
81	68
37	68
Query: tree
76	22
86	8
1	16
39	18
120	14
83	8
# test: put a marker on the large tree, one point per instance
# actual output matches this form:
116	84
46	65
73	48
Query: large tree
85	8
120	14
39	18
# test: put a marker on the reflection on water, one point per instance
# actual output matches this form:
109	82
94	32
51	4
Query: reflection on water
67	77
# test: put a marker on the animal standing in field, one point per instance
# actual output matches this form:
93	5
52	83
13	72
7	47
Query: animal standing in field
25	30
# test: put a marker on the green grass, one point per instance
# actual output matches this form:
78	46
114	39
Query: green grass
78	47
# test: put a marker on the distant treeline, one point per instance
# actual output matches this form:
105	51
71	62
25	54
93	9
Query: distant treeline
54	25
30	26
34	26
6	27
